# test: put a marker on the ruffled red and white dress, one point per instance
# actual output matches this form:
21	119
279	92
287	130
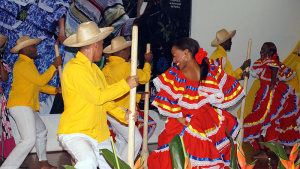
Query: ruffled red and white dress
275	111
203	106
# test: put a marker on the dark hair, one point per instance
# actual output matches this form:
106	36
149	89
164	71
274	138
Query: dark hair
272	47
193	47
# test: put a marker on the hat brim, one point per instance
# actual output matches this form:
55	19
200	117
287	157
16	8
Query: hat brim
72	40
108	49
24	44
215	42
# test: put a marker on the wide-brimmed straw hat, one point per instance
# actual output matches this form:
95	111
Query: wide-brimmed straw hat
3	40
298	51
221	36
23	42
117	44
87	34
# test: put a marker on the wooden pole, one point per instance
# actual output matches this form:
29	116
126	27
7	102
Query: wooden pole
241	133
59	67
132	102
145	151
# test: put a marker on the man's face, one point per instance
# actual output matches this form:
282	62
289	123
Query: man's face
127	53
32	51
228	44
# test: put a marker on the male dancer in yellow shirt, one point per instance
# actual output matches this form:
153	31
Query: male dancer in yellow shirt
118	68
83	128
23	102
223	44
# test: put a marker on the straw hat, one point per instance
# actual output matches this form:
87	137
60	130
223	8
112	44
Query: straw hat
2	42
87	34
298	51
221	36
117	44
23	42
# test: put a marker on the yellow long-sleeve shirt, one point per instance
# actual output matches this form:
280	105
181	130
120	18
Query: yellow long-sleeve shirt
87	98
117	69
220	52
27	83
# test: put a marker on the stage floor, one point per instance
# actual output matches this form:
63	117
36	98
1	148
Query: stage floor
63	158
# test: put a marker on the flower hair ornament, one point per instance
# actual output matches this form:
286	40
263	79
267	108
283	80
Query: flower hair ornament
200	56
275	56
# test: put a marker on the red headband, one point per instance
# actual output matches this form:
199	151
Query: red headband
200	56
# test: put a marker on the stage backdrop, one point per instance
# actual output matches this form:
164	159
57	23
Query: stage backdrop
260	20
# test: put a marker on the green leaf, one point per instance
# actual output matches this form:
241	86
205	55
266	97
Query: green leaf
281	151
176	152
110	157
233	162
297	163
68	167
280	165
252	163
271	147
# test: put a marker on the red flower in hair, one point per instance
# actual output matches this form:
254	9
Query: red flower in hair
200	56
275	56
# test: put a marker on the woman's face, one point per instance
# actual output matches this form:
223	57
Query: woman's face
179	57
264	51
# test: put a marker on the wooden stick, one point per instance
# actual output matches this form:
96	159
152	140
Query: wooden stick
132	101
241	133
145	151
59	67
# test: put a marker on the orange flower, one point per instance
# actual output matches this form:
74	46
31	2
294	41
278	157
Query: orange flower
287	164
187	163
294	152
139	164
242	160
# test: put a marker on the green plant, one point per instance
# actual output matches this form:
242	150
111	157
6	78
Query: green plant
177	152
240	155
68	167
285	161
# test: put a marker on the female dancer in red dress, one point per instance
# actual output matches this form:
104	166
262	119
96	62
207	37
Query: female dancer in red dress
193	95
276	107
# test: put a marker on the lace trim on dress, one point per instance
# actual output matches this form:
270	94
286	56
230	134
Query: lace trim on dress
166	113
215	99
207	163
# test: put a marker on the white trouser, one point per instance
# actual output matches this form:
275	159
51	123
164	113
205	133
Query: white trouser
85	150
33	132
121	132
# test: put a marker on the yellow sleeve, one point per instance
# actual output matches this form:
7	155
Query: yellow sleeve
47	89
85	85
228	69
32	75
144	74
138	97
116	111
237	73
